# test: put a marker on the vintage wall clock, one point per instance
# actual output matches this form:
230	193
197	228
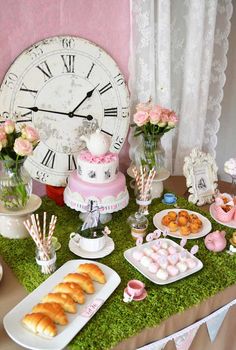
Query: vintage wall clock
65	86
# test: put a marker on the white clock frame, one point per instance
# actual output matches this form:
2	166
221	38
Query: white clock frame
55	74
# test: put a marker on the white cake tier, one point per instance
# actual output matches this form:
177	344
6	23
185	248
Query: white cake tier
97	169
110	197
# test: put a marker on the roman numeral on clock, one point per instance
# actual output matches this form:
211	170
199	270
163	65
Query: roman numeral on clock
49	159
71	162
106	132
23	117
32	92
110	112
105	88
69	63
90	71
44	68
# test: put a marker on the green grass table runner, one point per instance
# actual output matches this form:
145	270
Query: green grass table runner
115	321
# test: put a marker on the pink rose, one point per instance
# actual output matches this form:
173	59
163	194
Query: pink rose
141	118
30	134
173	119
9	126
23	147
155	115
144	107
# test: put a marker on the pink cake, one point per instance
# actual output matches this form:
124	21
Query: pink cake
112	196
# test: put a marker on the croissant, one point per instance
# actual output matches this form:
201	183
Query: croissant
40	323
73	289
93	271
65	300
52	310
83	280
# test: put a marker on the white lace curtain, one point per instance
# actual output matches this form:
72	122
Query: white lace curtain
178	57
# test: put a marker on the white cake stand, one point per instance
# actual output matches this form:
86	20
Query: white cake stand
11	222
157	184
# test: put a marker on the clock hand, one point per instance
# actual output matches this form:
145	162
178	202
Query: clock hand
89	94
70	114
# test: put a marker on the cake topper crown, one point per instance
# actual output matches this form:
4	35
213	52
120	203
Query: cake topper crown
97	143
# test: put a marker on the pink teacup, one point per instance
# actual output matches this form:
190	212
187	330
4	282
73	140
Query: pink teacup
135	288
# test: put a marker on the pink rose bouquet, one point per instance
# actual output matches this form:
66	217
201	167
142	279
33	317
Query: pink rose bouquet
152	122
15	146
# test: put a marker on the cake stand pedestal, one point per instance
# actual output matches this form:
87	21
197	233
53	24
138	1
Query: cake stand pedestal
11	222
107	206
157	184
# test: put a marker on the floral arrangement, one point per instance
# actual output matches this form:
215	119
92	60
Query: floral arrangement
14	147
152	120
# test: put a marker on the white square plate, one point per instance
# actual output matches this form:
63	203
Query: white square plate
128	254
21	335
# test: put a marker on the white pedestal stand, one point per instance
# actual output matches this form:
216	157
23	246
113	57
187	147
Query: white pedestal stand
11	222
157	185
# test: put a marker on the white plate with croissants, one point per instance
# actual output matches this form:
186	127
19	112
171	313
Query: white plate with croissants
49	317
182	223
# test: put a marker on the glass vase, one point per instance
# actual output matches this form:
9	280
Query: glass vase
150	153
15	184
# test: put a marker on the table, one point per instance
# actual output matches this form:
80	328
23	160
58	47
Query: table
224	341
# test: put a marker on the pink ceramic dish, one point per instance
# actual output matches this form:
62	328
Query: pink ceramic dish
222	215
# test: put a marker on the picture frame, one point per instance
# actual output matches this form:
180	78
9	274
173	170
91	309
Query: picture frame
200	170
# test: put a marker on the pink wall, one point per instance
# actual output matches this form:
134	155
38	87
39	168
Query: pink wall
105	22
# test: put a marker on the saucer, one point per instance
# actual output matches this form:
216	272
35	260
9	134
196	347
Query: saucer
109	247
172	203
140	297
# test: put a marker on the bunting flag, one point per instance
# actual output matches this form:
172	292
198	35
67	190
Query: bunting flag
214	324
183	339
183	342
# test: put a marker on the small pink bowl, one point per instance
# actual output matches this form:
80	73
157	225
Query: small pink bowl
222	215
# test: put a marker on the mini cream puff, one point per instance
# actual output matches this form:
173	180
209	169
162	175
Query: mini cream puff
183	213
166	220
173	227
182	221
194	228
172	214
185	230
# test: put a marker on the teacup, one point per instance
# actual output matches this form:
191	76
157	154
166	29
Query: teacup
169	198
135	288
89	244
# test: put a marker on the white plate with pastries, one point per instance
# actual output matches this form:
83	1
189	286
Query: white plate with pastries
149	259
29	334
201	230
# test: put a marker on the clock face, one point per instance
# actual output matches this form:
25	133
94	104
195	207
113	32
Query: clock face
65	87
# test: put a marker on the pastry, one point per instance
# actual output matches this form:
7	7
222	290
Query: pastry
155	257
83	280
173	227
40	324
164	245
145	261
185	230
172	250
153	267
193	217
191	263
73	289
182	266
137	255
148	251
172	214
63	299
172	270
182	221
166	220
183	213
162	252
52	310
162	275
93	271
194	227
